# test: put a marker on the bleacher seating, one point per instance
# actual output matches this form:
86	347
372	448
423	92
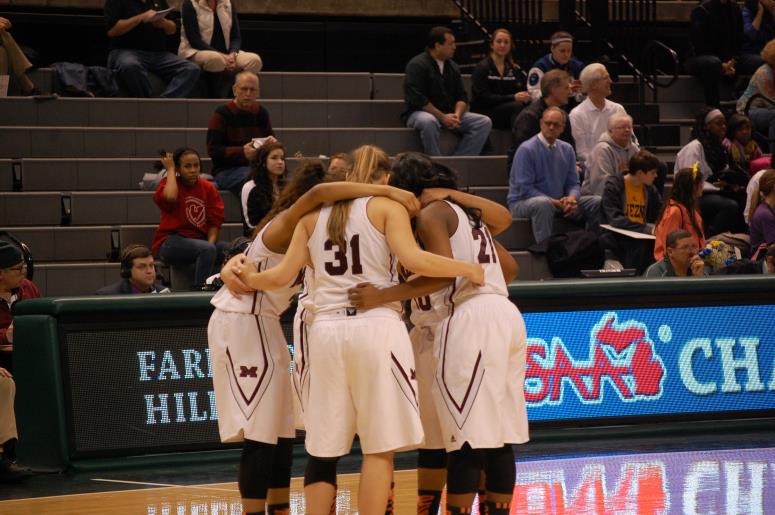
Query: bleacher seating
70	167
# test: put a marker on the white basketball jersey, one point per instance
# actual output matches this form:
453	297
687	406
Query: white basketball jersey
432	308
269	303
475	245
367	258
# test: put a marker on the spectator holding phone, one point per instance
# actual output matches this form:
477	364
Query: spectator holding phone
191	216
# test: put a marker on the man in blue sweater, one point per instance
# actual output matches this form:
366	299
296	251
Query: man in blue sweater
543	181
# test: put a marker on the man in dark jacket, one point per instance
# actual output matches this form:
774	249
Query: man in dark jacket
555	90
435	98
631	202
138	273
717	37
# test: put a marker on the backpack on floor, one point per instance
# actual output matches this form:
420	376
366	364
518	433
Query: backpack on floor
570	253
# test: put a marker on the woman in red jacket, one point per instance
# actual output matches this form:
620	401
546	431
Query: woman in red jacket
682	210
191	216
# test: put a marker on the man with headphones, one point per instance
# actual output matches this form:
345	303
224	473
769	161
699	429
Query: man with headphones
14	286
138	273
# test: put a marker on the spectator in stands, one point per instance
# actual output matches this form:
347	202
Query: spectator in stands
611	155
231	131
191	217
14	287
721	209
762	110
339	165
9	471
752	194
13	59
763	218
497	87
210	37
138	39
681	210
544	182
744	152
138	273
681	259
717	37
589	120
435	98
758	29
260	192
769	259
631	202
560	57
555	88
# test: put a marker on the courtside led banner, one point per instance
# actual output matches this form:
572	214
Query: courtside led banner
638	362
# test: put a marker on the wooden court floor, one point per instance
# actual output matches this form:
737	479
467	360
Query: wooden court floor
209	499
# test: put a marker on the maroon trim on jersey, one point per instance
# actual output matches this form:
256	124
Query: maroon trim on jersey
300	372
255	296
463	408
404	383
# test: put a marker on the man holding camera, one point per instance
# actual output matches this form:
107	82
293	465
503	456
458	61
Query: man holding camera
231	131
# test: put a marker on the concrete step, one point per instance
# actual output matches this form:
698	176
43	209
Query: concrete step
23	142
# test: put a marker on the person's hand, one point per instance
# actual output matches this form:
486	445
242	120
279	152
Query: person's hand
147	15
5	24
728	68
270	139
243	266
476	275
249	150
558	203
231	61
406	199
575	86
168	163
450	121
5	373
522	96
697	266
234	283
9	333
160	23
569	205
432	195
365	296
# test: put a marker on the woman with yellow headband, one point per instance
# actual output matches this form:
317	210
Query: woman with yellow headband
681	210
721	210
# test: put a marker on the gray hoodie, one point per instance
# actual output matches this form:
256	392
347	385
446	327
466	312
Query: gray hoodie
606	158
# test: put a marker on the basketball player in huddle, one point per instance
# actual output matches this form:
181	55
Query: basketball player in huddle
248	349
476	368
360	361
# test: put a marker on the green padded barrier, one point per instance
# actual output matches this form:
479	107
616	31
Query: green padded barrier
40	406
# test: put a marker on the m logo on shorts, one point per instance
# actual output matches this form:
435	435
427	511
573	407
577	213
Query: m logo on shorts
248	371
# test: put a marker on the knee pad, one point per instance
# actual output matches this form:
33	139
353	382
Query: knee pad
463	468
255	469
320	470
281	467
499	470
431	458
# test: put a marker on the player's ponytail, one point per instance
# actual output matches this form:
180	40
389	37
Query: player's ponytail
370	163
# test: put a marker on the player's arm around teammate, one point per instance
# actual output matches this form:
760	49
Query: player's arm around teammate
388	217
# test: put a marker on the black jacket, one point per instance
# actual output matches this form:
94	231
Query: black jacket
489	89
424	83
124	287
528	123
612	206
717	29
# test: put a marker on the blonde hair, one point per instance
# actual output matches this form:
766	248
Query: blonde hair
370	163
762	189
